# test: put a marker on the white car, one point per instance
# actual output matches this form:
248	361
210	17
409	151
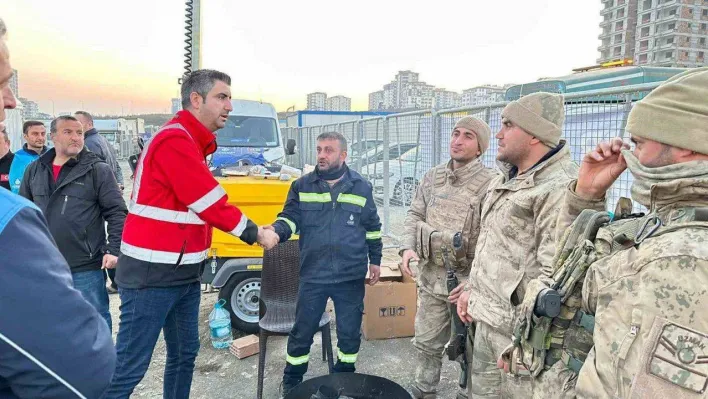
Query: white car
404	176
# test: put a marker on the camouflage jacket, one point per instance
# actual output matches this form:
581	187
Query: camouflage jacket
446	202
517	240
649	301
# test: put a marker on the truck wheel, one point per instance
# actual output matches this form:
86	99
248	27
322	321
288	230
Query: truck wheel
242	294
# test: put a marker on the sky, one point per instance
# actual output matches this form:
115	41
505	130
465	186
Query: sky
124	57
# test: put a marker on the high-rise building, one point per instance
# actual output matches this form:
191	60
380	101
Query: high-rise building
15	83
376	101
176	105
482	95
30	109
317	101
671	33
446	99
338	103
405	91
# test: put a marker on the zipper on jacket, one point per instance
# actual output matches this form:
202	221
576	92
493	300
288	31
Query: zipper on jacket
88	246
181	254
63	207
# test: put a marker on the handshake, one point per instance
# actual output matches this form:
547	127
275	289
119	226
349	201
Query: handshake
267	237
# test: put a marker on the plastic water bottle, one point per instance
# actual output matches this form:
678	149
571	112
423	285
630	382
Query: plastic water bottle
220	326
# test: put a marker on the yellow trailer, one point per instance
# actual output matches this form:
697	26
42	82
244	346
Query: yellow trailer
235	267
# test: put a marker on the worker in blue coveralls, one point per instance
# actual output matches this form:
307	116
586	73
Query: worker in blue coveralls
333	211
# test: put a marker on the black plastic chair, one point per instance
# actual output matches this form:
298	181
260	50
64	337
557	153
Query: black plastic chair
280	280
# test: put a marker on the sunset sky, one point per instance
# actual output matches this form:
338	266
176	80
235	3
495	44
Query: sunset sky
126	56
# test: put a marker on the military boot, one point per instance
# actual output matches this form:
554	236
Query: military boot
418	394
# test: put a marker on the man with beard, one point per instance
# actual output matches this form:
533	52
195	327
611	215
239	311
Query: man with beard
517	238
35	135
448	202
644	293
333	211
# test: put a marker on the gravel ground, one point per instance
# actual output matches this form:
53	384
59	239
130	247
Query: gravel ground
219	374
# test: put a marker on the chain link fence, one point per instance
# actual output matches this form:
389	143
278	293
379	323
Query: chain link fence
394	152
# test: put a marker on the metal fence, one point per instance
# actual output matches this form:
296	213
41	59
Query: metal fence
396	150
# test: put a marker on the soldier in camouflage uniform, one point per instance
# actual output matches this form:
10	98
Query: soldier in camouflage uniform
649	297
516	242
448	201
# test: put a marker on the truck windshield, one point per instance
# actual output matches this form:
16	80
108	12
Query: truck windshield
248	131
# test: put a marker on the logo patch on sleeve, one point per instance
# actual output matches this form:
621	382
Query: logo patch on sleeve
681	358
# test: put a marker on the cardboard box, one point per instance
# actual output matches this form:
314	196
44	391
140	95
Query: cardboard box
390	306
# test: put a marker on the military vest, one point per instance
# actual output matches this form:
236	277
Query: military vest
592	236
450	210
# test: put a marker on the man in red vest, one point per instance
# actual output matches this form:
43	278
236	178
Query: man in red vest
167	235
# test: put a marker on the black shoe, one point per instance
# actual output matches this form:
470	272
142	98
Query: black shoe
285	388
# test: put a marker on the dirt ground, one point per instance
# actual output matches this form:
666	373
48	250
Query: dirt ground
219	374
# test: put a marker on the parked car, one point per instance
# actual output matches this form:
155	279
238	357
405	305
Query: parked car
404	176
375	155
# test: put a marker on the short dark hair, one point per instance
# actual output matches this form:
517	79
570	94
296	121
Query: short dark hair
27	125
53	126
85	115
201	82
334	136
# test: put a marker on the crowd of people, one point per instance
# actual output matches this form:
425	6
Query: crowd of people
629	288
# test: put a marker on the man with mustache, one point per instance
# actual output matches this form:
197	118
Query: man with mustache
174	205
448	201
333	211
77	193
517	238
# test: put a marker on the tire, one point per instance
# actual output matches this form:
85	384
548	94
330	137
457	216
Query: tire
242	296
403	194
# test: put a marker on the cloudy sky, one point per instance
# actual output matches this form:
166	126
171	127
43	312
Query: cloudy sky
126	56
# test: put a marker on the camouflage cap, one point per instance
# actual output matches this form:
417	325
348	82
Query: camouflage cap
539	114
481	129
675	113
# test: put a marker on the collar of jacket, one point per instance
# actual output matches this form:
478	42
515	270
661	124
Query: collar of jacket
463	173
84	158
538	171
349	175
27	150
7	156
90	132
205	139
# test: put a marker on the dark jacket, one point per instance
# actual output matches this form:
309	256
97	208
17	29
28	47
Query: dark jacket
5	163
84	195
45	324
101	147
339	227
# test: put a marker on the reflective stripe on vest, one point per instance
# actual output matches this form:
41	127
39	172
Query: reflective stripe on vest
373	235
315	197
165	215
153	256
352	199
240	227
208	199
291	224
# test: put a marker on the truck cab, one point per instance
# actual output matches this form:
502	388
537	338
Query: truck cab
251	137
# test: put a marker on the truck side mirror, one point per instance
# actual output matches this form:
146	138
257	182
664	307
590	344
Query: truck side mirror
290	147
